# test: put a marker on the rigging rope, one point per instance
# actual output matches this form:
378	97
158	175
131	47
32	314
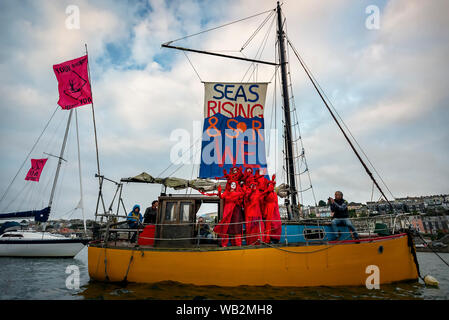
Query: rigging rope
445	262
221	26
201	80
297	130
338	115
191	146
32	149
257	31
259	51
319	91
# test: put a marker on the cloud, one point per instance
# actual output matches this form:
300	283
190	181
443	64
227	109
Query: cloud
389	85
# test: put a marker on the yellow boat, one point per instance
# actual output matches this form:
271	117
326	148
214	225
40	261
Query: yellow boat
307	253
342	264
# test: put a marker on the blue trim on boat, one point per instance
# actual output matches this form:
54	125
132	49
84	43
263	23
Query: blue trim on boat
312	233
39	215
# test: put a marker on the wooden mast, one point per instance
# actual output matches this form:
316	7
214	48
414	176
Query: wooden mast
292	207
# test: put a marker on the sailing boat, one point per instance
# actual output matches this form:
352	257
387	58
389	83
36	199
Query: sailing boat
307	253
15	242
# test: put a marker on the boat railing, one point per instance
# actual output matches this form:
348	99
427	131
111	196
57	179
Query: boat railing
364	226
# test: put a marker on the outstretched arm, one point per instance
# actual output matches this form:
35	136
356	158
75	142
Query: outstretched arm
225	175
208	194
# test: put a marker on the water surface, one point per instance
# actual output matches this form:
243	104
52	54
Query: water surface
27	278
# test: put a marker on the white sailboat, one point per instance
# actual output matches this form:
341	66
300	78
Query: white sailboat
15	242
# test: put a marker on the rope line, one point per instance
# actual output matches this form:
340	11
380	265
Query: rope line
29	153
221	26
201	80
338	115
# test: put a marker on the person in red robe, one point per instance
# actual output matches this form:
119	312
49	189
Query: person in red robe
271	215
231	225
247	178
253	215
262	185
235	174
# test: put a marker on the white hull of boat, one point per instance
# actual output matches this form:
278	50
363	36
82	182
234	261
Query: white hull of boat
38	244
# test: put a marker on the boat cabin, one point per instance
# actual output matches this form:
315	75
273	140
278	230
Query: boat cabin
176	224
177	217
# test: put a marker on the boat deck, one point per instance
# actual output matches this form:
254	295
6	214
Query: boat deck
123	244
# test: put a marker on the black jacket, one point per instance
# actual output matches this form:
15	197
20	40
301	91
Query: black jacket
150	215
340	209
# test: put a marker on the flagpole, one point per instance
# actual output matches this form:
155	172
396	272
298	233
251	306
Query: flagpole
79	171
93	113
100	195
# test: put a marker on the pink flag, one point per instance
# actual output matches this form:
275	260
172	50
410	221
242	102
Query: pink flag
36	169
73	83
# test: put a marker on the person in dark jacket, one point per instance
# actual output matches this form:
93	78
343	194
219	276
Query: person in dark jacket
203	231
134	220
340	215
151	213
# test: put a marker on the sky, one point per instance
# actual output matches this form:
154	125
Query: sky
389	85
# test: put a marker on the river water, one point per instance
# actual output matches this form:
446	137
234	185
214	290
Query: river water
45	279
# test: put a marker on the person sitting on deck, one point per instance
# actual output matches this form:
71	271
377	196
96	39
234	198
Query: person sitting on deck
134	219
203	231
340	215
151	213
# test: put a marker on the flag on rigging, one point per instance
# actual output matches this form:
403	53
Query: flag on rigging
37	165
73	83
233	130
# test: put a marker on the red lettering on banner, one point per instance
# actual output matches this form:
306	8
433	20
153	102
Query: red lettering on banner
256	128
209	107
233	129
212	126
228	154
242	111
260	115
228	111
231	110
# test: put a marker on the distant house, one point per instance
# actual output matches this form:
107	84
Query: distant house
209	217
323	212
417	223
354	206
411	204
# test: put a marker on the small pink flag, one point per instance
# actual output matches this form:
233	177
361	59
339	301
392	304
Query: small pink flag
73	83
37	165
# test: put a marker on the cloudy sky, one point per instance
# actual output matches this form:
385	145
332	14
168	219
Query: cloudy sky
388	84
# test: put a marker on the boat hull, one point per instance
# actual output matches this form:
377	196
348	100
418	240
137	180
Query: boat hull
299	266
66	248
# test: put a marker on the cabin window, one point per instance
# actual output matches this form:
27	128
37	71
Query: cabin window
314	234
185	211
12	236
170	211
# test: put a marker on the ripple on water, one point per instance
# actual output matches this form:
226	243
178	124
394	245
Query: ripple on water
45	279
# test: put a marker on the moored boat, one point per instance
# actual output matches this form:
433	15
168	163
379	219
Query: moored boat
29	243
307	253
343	264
